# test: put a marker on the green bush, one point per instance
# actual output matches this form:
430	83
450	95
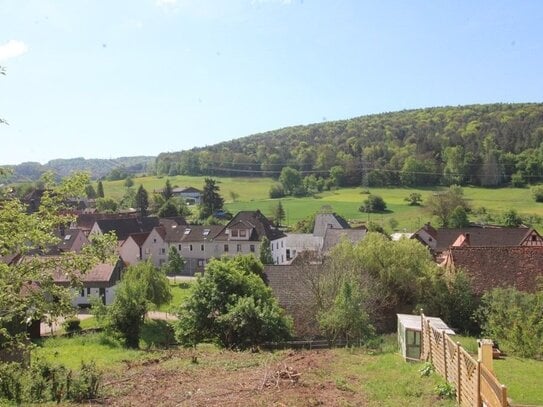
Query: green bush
72	325
514	318
537	193
44	382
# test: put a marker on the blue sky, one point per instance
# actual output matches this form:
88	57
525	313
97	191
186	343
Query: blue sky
103	78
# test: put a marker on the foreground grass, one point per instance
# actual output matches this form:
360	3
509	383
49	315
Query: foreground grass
523	377
106	351
253	194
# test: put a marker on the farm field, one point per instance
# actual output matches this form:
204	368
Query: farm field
253	194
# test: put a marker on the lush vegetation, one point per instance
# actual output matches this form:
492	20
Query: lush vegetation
485	145
231	305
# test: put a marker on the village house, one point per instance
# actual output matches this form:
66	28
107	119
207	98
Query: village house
491	267
440	240
328	231
100	281
200	243
190	195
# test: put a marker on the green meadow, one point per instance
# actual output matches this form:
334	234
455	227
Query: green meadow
252	193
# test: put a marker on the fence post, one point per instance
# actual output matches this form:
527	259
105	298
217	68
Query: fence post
429	341
458	374
443	339
504	401
478	392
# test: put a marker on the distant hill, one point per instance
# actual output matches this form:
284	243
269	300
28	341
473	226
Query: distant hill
31	171
487	145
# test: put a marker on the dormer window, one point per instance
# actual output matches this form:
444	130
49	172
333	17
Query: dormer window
242	233
233	233
187	231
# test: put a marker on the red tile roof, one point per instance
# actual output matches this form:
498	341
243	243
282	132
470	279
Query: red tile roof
491	267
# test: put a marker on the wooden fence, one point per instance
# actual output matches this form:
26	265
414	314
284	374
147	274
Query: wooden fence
475	384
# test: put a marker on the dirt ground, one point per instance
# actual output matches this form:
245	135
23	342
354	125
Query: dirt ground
215	378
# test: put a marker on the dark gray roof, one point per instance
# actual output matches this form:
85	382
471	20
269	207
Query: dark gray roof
333	236
127	226
482	237
254	220
325	221
174	233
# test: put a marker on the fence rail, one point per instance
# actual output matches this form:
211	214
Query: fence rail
475	384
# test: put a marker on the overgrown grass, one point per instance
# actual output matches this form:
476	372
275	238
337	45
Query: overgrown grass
385	378
253	194
523	377
102	348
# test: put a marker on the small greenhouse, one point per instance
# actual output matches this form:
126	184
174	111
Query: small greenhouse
410	331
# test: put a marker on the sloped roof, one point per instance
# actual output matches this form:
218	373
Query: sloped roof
139	238
491	267
482	237
288	284
333	236
182	190
255	220
174	233
127	226
101	273
68	239
325	221
85	221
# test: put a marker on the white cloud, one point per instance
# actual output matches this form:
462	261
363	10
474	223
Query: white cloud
12	49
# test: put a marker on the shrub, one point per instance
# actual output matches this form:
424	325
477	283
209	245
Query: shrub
72	325
537	193
374	203
445	391
277	191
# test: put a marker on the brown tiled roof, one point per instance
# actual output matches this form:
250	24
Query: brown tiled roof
333	236
191	233
288	284
257	221
491	267
139	238
100	275
324	221
490	237
68	239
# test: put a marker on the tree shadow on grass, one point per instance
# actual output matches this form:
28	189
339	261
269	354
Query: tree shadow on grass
157	333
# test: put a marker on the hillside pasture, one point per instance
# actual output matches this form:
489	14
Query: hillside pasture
253	194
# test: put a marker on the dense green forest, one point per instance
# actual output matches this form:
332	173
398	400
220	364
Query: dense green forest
488	145
32	171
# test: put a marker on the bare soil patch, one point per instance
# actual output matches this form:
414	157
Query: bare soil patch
223	378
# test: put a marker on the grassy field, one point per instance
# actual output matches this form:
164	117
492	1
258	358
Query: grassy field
180	291
523	377
253	194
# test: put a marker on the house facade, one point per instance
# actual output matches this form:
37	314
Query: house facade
190	195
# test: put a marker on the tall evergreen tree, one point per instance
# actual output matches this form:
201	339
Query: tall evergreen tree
142	200
100	189
167	192
279	214
265	251
211	200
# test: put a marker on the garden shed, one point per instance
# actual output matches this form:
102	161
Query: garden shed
409	334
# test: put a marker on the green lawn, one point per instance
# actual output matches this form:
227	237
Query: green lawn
523	377
253	194
180	291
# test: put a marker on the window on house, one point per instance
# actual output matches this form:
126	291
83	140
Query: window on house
282	259
190	247
234	233
534	238
238	248
147	250
161	261
163	250
82	292
154	240
288	253
252	248
201	262
88	290
242	233
202	247
179	246
225	247
281	244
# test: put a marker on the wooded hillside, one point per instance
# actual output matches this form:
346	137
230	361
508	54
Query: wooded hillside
485	145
